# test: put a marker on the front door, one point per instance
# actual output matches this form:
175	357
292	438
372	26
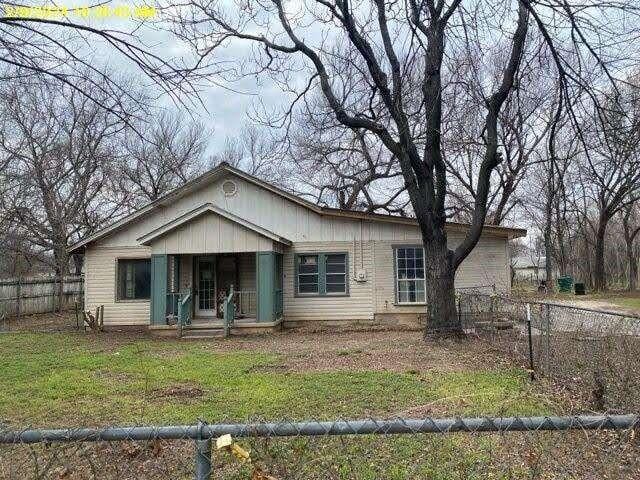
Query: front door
206	275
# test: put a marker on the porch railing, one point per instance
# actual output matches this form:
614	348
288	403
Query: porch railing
229	311
245	302
184	309
172	306
179	308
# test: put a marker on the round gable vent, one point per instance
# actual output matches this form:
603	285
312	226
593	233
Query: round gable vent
229	187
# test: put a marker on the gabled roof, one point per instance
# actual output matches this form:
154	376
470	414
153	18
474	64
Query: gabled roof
225	169
148	238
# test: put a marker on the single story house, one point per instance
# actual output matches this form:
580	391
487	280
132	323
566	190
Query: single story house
291	262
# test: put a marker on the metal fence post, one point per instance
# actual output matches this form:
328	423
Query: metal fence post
203	456
547	338
531	363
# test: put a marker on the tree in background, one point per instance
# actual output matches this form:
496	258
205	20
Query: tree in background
255	151
381	68
342	168
66	49
610	167
631	228
160	156
522	128
60	148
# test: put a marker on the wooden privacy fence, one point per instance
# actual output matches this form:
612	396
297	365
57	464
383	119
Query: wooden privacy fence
25	296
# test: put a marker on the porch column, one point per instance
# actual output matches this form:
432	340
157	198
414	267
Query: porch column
265	286
158	308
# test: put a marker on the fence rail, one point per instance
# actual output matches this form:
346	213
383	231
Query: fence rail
27	296
203	434
370	426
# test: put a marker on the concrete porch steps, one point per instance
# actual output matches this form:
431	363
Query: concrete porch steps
199	332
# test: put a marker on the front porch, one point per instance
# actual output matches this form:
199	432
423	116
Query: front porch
204	293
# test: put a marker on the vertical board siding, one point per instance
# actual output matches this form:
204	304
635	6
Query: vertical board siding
260	207
39	295
100	286
211	233
358	305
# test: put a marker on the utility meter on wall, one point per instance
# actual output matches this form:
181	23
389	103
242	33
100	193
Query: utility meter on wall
361	275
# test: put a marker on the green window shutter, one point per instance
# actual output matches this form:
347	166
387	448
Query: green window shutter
159	272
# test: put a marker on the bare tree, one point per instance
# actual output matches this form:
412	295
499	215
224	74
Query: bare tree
56	43
631	228
523	126
380	67
164	155
343	168
254	151
610	166
60	147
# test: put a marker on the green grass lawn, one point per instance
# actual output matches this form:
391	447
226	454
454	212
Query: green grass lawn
632	303
48	378
55	379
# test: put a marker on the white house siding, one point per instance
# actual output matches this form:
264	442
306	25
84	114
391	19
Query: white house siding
357	306
100	286
211	233
486	265
310	231
266	209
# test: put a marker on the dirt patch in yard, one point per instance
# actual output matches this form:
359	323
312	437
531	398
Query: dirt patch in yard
397	351
379	350
178	391
42	322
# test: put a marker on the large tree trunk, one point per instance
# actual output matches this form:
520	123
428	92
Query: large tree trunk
632	259
599	275
548	247
633	269
61	258
442	317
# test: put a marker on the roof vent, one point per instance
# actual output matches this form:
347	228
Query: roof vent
229	188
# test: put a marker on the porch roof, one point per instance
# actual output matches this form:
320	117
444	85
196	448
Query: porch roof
150	237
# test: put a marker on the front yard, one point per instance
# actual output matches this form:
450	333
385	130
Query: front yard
56	379
65	379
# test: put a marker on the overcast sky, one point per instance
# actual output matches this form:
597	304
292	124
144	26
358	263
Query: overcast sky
225	107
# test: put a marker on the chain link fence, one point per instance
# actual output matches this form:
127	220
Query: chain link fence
588	360
591	357
531	447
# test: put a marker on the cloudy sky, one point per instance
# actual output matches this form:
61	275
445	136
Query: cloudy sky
225	106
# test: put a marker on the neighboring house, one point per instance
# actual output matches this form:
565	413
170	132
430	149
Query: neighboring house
290	261
531	270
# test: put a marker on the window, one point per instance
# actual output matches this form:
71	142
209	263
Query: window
336	273
134	279
308	274
409	275
321	274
